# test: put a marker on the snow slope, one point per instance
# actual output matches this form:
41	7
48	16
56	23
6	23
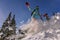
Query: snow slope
39	30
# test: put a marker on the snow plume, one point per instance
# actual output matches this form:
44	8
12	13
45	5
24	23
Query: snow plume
32	27
42	30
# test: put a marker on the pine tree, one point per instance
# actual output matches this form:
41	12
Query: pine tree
13	24
6	23
9	27
5	26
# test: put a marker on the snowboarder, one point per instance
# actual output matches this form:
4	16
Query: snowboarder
46	16
35	13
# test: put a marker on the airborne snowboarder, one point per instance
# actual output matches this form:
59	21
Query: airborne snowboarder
35	13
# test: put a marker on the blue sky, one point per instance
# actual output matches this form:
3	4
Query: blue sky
22	13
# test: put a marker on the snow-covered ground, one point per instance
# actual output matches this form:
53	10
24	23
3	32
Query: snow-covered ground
41	30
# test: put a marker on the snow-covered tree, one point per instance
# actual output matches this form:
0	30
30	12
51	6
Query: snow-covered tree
8	27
